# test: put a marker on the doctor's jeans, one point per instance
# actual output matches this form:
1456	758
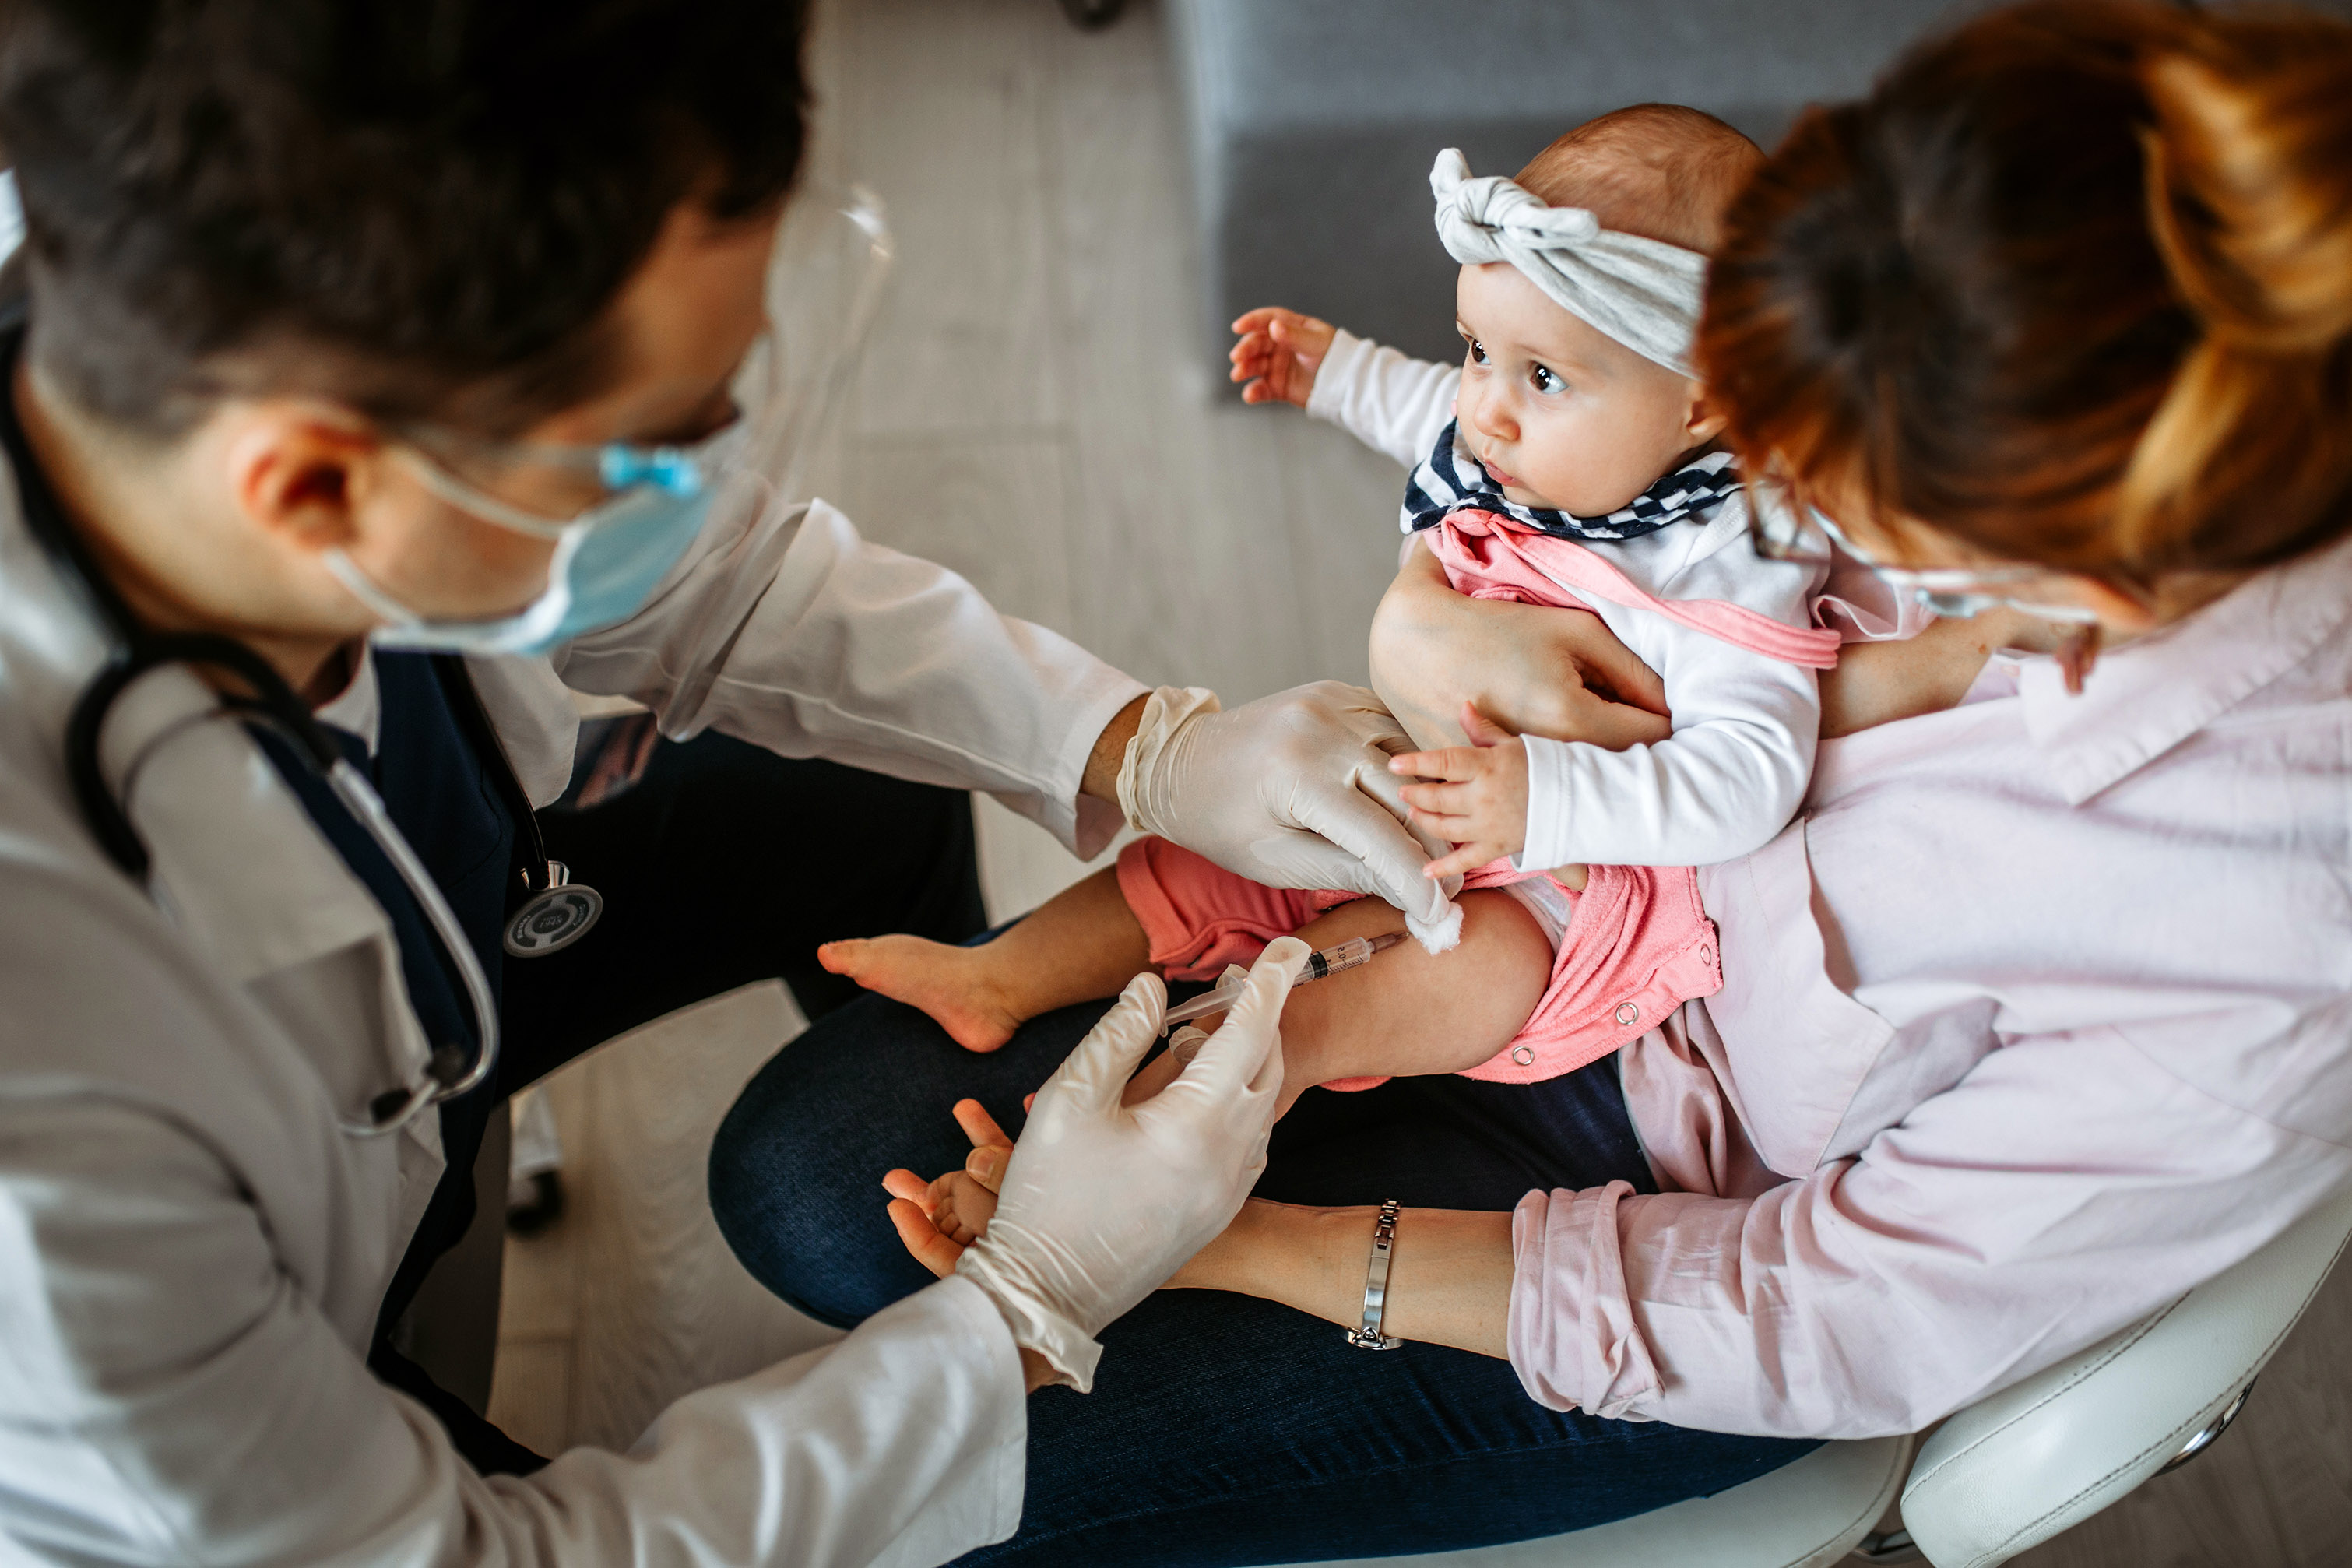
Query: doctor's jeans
1223	1429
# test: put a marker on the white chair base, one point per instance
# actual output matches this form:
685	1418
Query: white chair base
1805	1515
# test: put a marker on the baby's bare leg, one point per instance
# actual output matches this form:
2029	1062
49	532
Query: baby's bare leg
1406	1013
1082	943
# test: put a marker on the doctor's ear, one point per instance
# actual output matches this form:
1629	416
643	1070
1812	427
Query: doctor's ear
301	473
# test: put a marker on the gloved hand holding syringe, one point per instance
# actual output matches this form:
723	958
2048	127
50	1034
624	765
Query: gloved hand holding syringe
1235	981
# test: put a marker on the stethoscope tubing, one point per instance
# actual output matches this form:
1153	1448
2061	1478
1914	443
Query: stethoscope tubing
360	798
276	705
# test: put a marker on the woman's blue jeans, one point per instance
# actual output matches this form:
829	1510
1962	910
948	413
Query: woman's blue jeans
1223	1429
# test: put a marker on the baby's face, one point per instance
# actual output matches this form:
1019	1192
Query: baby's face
1561	414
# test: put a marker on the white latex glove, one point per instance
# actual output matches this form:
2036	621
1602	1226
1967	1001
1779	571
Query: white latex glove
1293	791
1103	1201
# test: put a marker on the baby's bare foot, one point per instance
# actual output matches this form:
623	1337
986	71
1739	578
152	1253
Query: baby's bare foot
951	984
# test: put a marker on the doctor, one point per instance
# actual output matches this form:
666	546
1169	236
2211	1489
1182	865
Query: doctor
373	372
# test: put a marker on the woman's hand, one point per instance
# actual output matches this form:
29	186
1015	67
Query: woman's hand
1532	669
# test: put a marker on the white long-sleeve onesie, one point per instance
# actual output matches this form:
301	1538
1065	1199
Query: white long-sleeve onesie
1735	767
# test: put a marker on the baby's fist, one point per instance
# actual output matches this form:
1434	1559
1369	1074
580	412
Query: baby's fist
1479	804
1278	354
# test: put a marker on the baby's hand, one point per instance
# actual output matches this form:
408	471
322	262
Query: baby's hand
937	1220
961	1206
1481	809
1280	353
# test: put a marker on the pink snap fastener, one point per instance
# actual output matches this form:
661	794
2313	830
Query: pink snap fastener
1525	1056
1706	955
1627	1012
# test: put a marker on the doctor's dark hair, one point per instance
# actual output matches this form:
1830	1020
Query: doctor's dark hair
416	207
2073	286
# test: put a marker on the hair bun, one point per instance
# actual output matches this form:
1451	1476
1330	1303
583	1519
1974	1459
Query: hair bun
2250	175
2248	461
2073	286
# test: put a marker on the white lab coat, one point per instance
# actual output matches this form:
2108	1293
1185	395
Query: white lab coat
192	1254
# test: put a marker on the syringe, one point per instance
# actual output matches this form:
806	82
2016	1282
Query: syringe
1319	965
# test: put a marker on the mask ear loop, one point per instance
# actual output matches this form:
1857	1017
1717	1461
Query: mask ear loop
447	486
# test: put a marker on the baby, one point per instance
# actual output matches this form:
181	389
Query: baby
1569	461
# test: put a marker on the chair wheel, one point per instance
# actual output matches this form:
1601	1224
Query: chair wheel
1092	13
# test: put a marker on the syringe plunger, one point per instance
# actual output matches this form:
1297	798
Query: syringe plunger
1320	964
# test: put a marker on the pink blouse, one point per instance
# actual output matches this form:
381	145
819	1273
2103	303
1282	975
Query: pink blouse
2039	1014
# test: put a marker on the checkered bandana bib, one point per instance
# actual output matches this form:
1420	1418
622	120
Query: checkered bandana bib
1450	479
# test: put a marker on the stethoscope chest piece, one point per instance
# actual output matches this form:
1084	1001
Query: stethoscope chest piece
553	918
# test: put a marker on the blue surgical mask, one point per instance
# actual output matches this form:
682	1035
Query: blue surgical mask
608	559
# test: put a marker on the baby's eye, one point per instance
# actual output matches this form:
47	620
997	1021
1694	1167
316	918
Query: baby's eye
1547	381
1477	351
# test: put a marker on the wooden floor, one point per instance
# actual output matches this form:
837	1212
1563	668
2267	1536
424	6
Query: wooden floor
1031	412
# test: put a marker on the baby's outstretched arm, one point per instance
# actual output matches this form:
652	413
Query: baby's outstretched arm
1878	682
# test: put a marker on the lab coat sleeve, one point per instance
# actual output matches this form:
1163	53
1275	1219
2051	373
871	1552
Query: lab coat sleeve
1389	401
2005	1225
1726	779
792	632
169	1394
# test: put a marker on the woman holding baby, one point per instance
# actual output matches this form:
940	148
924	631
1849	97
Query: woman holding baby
2036	1014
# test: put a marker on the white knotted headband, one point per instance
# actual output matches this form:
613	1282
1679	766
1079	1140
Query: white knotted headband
1645	293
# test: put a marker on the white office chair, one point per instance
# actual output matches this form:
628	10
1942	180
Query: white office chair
2001	1475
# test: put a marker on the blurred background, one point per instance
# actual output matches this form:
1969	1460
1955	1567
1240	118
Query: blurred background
1041	406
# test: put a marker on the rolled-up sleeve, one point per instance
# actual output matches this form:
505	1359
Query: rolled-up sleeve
2066	1187
796	634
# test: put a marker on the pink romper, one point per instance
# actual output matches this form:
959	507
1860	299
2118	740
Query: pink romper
1638	944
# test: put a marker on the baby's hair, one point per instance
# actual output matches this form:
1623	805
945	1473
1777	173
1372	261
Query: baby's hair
1658	170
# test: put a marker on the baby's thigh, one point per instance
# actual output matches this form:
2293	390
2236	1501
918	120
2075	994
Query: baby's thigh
1410	1011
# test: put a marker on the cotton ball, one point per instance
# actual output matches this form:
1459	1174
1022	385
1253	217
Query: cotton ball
1443	935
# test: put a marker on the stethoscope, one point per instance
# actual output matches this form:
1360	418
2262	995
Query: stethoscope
557	913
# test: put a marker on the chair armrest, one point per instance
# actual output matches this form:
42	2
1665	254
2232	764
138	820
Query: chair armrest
2013	1470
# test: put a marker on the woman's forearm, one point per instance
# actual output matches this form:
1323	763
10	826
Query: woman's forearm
1449	1272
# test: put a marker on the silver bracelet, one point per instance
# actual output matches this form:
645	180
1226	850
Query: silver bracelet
1376	1283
